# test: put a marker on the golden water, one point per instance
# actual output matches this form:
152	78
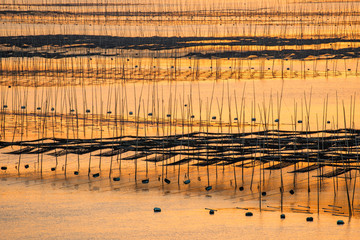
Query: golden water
96	69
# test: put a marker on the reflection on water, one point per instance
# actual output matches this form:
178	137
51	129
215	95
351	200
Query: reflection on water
110	214
110	109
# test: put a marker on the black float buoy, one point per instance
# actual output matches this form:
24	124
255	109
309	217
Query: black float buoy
340	222
241	188
292	192
150	114
208	188
116	179
130	113
192	116
263	193
109	112
168	115
282	216
145	181
309	219
167	181
213	118
187	181
253	119
87	110
4	168
38	108
53	169
276	120
96	175
249	214
211	211
157	209
26	166
300	121
76	172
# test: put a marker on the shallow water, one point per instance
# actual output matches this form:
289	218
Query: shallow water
47	212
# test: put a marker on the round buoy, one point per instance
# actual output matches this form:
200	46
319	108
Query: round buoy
53	169
26	166
291	192
116	179
309	219
241	188
156	209
4	168
211	212
95	175
263	193
208	188
76	172
187	181
145	181
167	181
249	214
282	216
340	222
